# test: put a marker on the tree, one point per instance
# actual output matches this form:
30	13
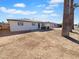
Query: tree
71	15
66	18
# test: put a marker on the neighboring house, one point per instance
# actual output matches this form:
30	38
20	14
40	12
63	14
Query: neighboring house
55	25
26	25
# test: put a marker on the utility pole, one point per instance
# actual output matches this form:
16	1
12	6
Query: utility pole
66	18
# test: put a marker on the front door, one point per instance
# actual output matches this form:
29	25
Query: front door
38	25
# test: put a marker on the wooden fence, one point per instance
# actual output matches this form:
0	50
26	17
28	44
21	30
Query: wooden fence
4	27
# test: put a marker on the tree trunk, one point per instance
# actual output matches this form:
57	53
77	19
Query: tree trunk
66	18
71	15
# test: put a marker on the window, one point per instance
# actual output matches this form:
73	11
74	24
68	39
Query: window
33	24
20	23
42	24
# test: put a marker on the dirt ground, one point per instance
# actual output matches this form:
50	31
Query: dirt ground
40	45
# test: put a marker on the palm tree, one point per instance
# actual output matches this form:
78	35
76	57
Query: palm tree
66	20
68	16
71	15
76	5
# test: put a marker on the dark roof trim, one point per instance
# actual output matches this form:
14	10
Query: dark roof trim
27	20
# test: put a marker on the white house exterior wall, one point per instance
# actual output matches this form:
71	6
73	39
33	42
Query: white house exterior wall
26	26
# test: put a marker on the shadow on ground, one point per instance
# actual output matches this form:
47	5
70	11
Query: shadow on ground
75	33
72	39
3	34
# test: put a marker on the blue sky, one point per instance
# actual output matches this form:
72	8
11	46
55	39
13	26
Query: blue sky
43	10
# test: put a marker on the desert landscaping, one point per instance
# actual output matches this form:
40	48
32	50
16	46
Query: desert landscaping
39	29
39	45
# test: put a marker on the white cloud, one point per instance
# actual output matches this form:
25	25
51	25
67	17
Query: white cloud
56	1
41	5
19	5
54	14
14	11
51	6
53	3
48	11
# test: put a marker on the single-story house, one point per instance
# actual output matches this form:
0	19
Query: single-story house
26	25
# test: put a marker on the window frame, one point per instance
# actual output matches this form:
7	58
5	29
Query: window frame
20	23
33	23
